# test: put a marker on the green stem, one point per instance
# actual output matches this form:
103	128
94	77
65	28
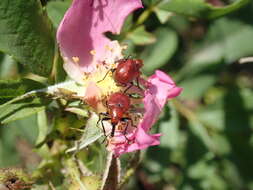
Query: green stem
130	170
144	16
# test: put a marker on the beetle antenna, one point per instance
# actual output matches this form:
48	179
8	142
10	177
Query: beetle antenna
113	130
111	70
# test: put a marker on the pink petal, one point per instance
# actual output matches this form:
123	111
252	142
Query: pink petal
143	140
162	76
84	24
174	92
160	88
152	111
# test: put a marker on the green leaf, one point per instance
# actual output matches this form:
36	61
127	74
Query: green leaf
27	34
236	39
162	15
212	117
42	126
226	39
78	111
201	132
128	24
159	53
27	128
24	105
9	135
199	8
141	37
195	87
58	73
196	127
13	88
14	111
170	130
30	103
221	143
91	133
56	10
209	57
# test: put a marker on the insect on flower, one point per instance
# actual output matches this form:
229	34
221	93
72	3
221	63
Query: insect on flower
118	105
126	72
97	56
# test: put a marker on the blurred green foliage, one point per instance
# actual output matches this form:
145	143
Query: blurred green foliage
27	34
207	140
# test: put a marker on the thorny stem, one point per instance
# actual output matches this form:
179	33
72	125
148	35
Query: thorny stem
131	168
111	174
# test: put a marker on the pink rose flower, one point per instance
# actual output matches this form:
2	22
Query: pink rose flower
86	51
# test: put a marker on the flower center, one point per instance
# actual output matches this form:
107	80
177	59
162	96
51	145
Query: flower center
103	77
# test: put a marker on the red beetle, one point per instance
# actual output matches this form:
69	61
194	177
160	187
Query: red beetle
118	105
126	72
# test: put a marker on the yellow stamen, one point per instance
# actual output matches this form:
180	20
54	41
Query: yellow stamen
104	80
93	52
108	48
75	59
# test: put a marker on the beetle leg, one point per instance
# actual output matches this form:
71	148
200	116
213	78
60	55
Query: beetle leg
138	84
125	133
104	119
111	70
100	116
127	119
130	86
113	130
